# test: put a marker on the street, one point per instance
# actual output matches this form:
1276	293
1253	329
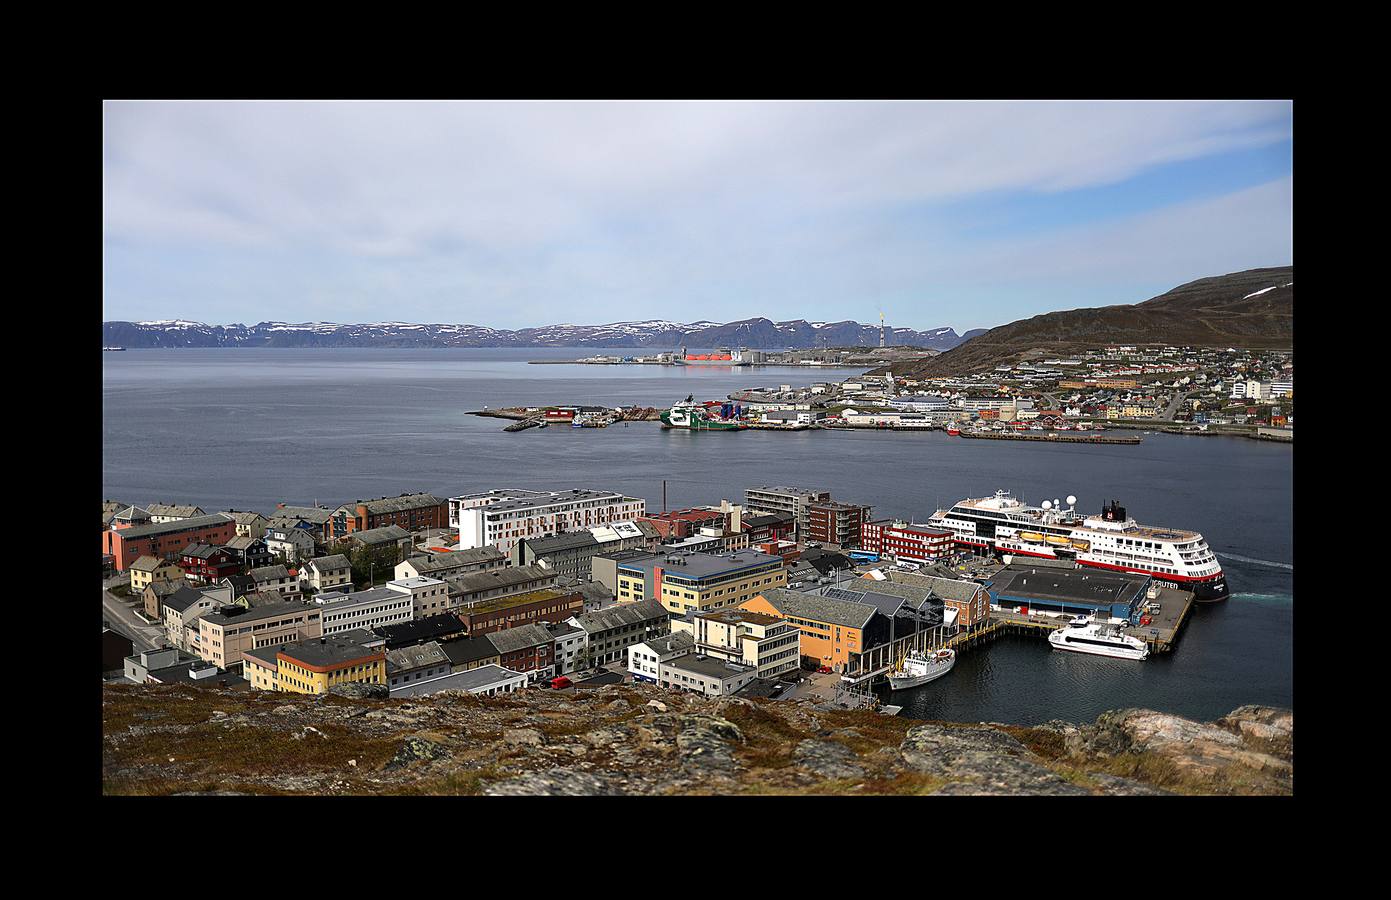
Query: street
117	613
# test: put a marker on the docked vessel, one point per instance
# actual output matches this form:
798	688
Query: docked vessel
721	357
1082	635
698	417
114	349
919	668
1173	557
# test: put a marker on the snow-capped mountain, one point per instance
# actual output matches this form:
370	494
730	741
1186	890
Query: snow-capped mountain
657	334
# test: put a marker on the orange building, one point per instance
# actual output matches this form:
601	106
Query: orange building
831	630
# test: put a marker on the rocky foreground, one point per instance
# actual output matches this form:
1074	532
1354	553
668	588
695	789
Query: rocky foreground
626	739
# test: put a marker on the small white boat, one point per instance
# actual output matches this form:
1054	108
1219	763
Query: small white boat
919	668
1082	635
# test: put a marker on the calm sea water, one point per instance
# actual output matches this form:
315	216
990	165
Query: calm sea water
251	428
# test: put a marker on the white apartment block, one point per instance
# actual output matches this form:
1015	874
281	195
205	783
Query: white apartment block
504	517
429	596
363	609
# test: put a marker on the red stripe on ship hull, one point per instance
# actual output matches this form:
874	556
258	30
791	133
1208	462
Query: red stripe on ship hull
1026	552
1162	576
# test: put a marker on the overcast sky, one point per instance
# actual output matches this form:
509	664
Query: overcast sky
513	215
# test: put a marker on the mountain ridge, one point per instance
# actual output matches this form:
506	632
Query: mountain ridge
1252	309
755	333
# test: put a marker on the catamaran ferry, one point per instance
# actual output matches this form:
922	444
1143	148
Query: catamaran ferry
1083	635
1002	524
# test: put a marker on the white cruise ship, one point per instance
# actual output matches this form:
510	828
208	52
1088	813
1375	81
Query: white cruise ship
1173	557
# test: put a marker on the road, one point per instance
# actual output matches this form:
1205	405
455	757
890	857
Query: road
1179	400
117	613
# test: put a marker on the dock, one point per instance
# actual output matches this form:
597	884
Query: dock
1051	438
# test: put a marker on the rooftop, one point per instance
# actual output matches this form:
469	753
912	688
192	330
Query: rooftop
815	608
510	640
516	600
395	504
230	616
383	535
417	656
477	679
332	650
428	628
143	531
708	666
455	558
622	615
697	566
474	582
1068	585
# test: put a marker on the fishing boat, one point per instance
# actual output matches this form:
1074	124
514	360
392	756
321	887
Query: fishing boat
697	417
917	668
1082	635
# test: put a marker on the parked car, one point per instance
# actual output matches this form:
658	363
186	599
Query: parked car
824	670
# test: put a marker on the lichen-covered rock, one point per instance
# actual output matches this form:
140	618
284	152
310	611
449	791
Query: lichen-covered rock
1055	787
416	749
1197	749
555	783
827	759
359	691
985	758
528	737
1264	728
1116	786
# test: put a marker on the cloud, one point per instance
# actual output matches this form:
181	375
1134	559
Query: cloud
490	211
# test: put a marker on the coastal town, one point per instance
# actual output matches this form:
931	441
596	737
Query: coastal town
1183	390
789	594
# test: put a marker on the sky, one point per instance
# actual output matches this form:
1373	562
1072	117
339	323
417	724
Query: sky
521	214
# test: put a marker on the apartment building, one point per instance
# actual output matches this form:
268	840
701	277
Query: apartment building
546	605
429	596
249	524
793	501
479	587
315	665
831	630
765	642
422	662
695	582
225	635
351	611
673	662
164	540
836	524
276	578
327	572
146	570
503	517
610	632
172	512
906	541
412	512
452	563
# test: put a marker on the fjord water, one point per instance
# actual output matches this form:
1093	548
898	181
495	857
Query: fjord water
247	429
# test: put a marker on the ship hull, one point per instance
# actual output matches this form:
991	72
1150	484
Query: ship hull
904	682
1112	652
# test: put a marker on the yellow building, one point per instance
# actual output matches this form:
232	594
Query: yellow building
148	569
695	582
315	665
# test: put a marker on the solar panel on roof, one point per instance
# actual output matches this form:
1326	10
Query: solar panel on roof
842	594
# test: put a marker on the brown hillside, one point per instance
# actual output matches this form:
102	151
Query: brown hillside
1209	312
